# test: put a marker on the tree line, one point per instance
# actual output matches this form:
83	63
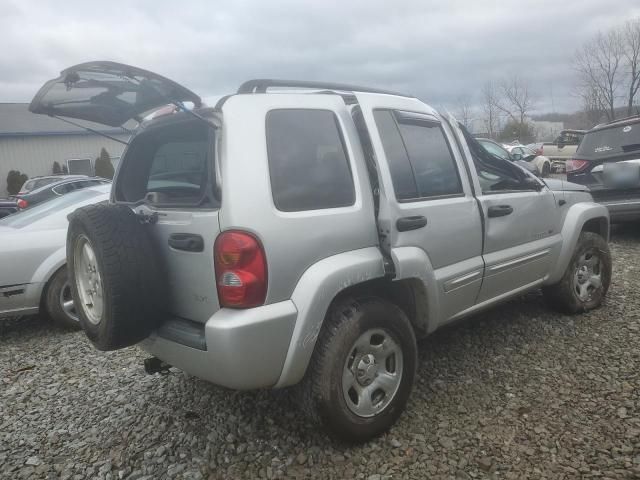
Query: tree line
607	71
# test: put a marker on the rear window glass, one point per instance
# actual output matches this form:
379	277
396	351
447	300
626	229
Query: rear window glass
308	164
610	141
169	166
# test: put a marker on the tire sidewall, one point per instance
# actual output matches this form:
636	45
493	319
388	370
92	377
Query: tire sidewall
589	241
369	316
52	300
95	332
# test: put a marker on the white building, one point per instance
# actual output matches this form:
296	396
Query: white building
31	143
546	131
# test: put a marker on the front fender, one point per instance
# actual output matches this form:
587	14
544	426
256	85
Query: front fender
574	221
312	296
50	265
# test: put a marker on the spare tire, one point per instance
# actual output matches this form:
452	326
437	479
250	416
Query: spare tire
115	276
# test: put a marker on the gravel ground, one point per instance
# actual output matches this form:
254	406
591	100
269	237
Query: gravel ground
516	393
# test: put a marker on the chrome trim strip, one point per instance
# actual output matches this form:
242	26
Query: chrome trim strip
517	261
462	280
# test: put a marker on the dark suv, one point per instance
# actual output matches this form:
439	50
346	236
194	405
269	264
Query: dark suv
608	162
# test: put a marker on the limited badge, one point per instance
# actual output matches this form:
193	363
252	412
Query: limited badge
627	129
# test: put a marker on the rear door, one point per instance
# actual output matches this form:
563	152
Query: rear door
108	93
167	175
428	202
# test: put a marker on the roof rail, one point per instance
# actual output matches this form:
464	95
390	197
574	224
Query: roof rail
260	85
618	120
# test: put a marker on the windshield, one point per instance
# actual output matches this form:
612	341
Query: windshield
610	141
495	149
52	210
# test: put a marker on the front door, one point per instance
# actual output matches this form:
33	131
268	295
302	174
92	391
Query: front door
522	227
428	195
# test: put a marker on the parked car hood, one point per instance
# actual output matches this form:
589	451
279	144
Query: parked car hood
558	185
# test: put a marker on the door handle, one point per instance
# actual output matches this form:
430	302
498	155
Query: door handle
500	210
415	222
189	242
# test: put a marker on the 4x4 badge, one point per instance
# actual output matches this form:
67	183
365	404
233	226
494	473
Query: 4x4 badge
627	129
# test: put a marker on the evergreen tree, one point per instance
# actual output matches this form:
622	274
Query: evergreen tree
103	166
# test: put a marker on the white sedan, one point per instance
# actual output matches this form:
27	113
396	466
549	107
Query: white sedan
33	273
521	152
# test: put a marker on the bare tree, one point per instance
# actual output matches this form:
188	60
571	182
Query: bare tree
631	53
464	111
517	100
490	102
593	105
599	64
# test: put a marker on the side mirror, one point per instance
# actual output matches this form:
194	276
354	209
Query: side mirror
532	184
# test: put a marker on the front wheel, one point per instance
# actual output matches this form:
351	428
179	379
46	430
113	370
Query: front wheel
362	370
59	301
546	170
586	279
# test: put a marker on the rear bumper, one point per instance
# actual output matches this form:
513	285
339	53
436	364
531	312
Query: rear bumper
243	349
623	209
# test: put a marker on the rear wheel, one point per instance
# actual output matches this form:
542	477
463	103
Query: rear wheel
587	278
362	370
59	301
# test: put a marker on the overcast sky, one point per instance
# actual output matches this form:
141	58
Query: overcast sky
437	50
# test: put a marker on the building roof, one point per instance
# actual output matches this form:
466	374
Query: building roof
16	120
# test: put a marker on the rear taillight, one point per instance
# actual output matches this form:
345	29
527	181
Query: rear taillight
539	150
574	165
22	203
241	270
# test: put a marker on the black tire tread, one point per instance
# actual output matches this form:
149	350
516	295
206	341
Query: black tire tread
560	296
130	273
314	385
52	301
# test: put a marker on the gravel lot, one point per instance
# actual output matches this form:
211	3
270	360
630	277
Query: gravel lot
517	393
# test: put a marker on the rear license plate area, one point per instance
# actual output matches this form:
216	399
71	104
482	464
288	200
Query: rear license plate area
621	175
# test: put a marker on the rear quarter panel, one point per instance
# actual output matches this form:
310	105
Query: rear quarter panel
293	241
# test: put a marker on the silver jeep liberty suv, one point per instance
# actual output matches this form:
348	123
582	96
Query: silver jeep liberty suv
307	233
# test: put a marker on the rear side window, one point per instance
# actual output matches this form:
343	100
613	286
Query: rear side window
610	141
169	165
308	163
65	188
419	156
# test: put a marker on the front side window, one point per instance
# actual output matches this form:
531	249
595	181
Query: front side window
495	149
495	173
418	154
308	163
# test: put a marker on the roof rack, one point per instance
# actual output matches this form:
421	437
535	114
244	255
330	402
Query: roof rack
260	85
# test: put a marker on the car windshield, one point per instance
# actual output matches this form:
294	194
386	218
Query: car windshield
610	141
58	207
495	149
